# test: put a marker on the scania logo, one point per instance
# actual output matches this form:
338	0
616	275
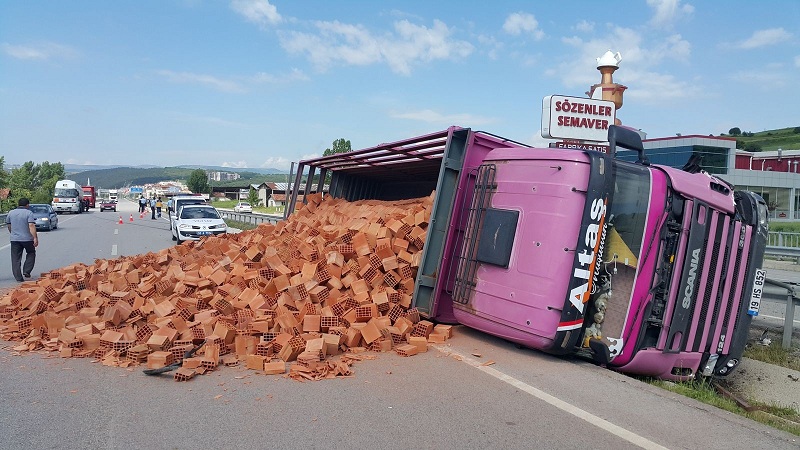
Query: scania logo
689	290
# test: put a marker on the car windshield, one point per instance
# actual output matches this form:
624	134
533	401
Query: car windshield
244	204
39	209
60	192
199	213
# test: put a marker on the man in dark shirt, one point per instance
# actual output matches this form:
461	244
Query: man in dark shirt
22	226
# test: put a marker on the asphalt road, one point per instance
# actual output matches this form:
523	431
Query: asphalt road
444	398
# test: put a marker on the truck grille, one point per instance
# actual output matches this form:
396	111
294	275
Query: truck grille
707	282
467	262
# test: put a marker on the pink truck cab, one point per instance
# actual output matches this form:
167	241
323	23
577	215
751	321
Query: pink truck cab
646	269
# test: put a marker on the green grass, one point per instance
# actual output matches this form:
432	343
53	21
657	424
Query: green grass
786	227
229	204
774	354
771	140
240	225
786	419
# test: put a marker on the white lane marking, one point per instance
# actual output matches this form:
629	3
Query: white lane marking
114	250
616	430
116	230
777	318
5	246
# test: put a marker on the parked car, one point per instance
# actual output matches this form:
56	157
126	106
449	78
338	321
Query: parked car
179	202
243	207
194	222
108	204
46	217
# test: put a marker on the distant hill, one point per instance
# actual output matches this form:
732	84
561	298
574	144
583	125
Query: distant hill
769	140
266	170
120	177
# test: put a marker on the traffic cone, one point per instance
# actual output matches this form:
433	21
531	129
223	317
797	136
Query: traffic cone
141	215
131	218
120	220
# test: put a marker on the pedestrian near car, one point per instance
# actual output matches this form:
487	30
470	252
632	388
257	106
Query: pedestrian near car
22	226
159	204
169	206
153	208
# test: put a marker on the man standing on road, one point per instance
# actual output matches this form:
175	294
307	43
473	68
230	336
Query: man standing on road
22	226
153	208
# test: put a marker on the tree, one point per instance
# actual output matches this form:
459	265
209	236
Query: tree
751	147
198	182
252	197
339	146
35	181
735	131
796	130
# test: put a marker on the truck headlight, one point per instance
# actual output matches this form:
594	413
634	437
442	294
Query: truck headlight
763	216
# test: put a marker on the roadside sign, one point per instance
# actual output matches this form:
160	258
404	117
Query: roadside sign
576	145
575	118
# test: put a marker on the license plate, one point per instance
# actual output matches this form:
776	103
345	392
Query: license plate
757	293
203	233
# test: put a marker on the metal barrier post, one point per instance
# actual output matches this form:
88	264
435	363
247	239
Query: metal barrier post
788	324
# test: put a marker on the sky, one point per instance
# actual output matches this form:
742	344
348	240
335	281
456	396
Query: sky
262	83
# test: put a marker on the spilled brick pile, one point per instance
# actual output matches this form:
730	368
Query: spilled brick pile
336	278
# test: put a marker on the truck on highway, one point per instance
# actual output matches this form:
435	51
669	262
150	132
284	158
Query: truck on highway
89	196
646	269
68	197
113	195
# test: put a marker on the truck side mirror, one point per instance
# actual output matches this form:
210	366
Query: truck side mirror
626	138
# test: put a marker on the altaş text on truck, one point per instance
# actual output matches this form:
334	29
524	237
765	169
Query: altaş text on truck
646	269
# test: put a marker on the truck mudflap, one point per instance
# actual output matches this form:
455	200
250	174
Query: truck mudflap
588	253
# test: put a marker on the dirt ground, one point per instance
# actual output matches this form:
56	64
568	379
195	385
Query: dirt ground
763	382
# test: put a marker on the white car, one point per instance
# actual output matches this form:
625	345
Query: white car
194	222
243	207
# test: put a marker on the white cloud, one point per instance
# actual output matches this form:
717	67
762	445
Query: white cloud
201	79
763	38
640	66
584	26
408	45
430	116
668	12
520	22
257	11
234	164
766	80
40	51
276	162
294	75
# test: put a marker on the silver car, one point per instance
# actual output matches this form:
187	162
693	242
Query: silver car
46	217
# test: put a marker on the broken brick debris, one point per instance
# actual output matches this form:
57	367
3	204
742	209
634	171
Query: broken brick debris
334	279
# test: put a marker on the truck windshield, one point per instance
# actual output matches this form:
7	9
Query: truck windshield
628	213
617	275
60	192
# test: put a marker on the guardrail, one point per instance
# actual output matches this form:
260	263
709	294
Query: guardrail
253	219
783	239
3	218
788	318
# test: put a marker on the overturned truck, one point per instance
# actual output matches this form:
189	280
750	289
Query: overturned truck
647	269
